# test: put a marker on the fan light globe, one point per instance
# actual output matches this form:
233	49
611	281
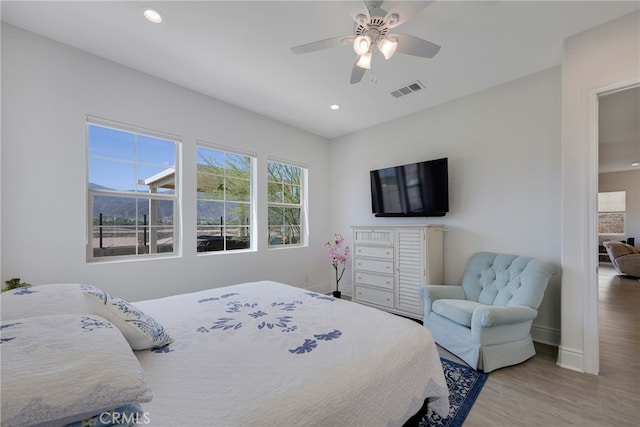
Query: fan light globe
365	61
361	44
387	47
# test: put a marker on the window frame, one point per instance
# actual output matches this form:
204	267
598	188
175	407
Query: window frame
147	229
252	200
302	205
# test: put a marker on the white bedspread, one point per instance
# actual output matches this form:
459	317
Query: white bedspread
268	354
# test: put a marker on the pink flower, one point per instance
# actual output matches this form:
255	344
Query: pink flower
338	255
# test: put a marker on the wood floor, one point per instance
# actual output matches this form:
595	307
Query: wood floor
540	393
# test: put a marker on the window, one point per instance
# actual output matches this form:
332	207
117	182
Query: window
132	191
285	204
611	212
225	200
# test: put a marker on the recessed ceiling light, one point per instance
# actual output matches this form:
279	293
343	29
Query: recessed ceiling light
335	107
152	15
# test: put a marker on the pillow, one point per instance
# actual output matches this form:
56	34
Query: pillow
43	300
64	368
141	331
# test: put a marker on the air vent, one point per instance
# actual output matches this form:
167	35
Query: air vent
406	90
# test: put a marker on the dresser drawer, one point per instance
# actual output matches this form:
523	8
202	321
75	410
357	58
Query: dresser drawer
374	251
374	296
378	266
374	279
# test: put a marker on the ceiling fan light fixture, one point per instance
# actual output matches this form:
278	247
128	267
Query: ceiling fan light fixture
387	47
393	20
361	44
365	61
361	19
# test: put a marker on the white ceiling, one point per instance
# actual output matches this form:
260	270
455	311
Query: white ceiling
239	51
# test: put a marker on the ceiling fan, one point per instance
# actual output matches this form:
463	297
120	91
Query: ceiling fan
372	28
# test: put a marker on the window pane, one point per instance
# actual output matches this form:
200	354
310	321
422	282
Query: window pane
292	194
275	192
276	216
237	213
112	175
156	151
108	210
210	160
210	187
106	142
238	166
276	235
275	171
238	189
292	216
210	212
292	235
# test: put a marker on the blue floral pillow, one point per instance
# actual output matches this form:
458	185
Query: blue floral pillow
141	331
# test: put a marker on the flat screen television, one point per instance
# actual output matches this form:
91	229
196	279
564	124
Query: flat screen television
415	189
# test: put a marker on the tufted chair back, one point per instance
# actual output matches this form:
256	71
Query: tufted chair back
506	280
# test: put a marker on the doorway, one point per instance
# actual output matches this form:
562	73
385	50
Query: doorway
618	172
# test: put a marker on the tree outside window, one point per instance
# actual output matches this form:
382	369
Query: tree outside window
224	200
285	204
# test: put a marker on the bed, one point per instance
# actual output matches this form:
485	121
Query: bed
260	353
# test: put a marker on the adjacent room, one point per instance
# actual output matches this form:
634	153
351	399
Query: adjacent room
237	213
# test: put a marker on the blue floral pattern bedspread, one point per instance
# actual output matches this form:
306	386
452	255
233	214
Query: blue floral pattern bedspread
266	353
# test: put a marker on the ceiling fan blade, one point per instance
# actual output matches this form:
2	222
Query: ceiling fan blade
415	46
356	73
405	10
357	8
322	44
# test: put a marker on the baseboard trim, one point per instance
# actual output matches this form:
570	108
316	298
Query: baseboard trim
570	359
545	335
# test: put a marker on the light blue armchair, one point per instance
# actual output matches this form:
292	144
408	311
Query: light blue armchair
487	321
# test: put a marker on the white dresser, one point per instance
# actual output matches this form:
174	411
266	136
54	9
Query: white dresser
390	264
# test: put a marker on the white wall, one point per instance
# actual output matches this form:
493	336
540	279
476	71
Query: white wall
629	182
503	146
47	89
597	59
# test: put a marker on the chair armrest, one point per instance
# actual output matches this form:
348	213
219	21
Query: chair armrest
489	316
430	293
434	292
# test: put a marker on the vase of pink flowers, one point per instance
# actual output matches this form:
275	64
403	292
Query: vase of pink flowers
339	255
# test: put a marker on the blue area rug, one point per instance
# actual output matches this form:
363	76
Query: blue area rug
464	387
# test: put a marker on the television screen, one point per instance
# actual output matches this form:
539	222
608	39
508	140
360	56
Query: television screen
416	189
